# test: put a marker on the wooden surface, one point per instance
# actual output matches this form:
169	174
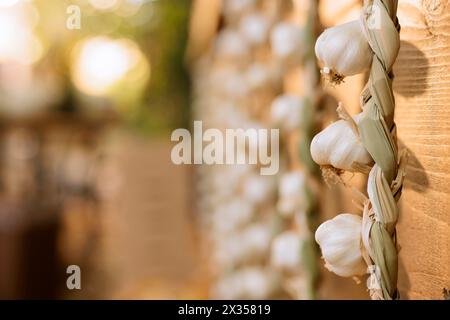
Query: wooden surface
422	89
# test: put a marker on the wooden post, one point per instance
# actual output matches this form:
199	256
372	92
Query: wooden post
421	87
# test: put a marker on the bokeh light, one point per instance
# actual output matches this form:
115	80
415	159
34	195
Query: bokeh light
104	4
18	41
100	63
8	3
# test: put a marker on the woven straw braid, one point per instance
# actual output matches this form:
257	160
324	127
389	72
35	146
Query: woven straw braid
378	134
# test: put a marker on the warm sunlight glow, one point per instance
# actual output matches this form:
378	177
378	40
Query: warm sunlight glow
18	42
100	63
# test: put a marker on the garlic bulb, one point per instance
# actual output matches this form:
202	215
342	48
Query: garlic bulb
339	146
292	193
237	7
248	245
255	28
231	45
255	241
286	111
287	40
258	76
344	51
248	283
232	215
340	241
259	189
285	251
229	83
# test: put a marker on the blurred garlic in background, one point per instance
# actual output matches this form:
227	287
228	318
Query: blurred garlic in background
255	28
292	193
286	111
249	283
287	40
286	251
232	47
259	189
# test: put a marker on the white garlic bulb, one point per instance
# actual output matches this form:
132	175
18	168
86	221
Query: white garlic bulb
286	111
292	193
344	51
259	189
231	44
340	242
248	245
256	240
229	83
287	40
232	215
255	28
247	283
236	7
339	146
285	251
258	76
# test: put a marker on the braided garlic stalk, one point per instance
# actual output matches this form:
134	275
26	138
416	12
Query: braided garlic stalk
375	41
295	250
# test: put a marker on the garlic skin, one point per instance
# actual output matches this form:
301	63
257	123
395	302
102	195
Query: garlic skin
344	50
337	145
340	241
286	111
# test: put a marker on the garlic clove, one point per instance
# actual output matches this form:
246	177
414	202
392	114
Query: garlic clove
340	242
344	51
339	146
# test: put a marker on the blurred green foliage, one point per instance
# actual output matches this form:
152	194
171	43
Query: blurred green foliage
159	27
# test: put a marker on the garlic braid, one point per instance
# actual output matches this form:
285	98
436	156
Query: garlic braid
378	134
312	95
375	129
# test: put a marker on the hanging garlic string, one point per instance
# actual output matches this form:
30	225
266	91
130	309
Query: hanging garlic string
308	127
373	130
294	113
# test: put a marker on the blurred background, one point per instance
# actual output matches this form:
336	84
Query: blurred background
90	91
